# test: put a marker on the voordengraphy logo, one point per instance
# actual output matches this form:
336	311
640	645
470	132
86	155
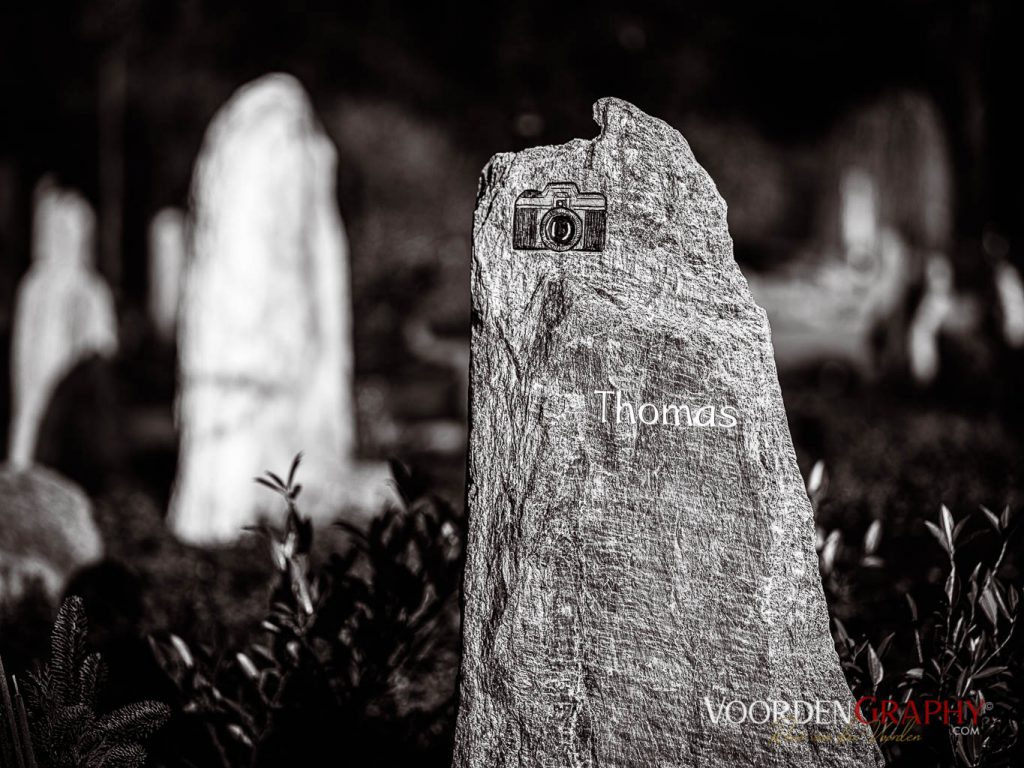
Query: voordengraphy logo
888	719
762	711
956	712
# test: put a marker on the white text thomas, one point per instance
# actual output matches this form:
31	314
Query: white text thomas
618	410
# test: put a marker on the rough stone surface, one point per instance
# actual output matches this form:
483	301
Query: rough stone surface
618	574
265	334
46	530
64	313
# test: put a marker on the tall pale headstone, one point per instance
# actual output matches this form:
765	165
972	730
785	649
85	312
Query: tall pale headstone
64	313
166	265
265	347
641	545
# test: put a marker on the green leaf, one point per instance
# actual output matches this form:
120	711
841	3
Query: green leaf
816	480
951	585
841	634
959	628
883	647
875	667
873	537
961	681
266	483
958	745
988	605
182	649
958	528
295	466
990	672
830	551
947	524
912	606
236	731
939	536
991	517
997	593
247	665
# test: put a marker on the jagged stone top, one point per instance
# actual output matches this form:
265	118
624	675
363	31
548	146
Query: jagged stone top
667	233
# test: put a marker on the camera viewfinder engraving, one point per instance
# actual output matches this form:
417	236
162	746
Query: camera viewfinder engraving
561	218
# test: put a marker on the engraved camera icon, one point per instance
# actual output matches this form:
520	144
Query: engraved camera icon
561	218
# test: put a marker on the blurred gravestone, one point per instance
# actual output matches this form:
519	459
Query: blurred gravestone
835	234
64	313
265	347
859	222
1010	290
898	146
937	306
640	546
46	530
166	263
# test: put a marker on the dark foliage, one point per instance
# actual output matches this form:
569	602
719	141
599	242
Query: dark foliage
356	653
965	645
56	724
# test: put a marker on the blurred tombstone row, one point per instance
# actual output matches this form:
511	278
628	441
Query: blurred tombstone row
64	316
253	284
253	287
849	241
880	210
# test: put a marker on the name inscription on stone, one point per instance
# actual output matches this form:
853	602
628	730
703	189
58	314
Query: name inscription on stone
616	409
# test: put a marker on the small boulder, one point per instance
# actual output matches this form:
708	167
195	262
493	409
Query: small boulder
47	531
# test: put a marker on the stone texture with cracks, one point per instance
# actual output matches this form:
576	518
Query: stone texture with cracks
620	573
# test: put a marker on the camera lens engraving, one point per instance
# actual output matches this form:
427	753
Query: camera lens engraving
561	218
561	229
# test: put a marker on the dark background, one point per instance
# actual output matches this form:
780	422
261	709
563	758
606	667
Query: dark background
113	98
789	69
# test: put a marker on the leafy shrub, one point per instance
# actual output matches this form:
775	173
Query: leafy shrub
357	653
966	647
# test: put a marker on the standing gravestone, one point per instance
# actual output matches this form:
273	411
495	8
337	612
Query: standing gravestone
166	264
265	347
64	313
640	546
